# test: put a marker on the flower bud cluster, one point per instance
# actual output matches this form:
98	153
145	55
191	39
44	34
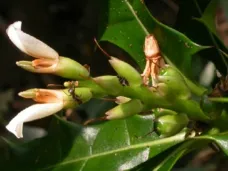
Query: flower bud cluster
131	94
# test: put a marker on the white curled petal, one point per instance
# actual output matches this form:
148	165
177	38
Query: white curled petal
29	44
31	113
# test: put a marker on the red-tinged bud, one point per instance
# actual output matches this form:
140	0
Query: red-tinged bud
122	99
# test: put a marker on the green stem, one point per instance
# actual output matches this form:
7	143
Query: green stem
219	99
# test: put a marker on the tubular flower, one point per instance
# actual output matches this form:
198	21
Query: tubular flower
48	60
49	102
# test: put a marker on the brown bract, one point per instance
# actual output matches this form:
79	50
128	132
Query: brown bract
154	60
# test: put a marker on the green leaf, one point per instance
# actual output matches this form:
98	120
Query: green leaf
126	23
192	144
185	23
224	6
171	159
113	145
208	17
183	149
188	22
220	139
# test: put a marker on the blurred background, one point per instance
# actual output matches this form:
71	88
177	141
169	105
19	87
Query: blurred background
69	26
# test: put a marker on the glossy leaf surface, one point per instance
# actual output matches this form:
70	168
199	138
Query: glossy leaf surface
113	145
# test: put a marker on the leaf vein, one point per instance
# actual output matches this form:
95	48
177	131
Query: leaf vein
179	137
136	17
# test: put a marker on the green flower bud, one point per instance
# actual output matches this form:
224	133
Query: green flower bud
169	125
122	99
71	69
124	110
172	84
79	94
161	112
110	84
126	71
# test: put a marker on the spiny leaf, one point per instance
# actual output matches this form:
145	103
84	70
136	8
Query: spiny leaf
220	139
194	143
113	145
127	22
208	18
183	149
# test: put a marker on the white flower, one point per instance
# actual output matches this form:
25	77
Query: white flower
29	44
47	59
50	102
31	113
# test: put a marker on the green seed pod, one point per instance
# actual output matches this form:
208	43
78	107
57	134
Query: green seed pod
124	110
126	71
110	84
172	84
169	125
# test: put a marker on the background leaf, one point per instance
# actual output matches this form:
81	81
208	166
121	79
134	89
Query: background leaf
211	21
183	149
187	24
220	139
208	17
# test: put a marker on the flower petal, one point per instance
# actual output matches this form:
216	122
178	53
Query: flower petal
29	44
31	113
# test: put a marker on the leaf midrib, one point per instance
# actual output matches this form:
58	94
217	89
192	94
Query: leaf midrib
178	137
136	17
